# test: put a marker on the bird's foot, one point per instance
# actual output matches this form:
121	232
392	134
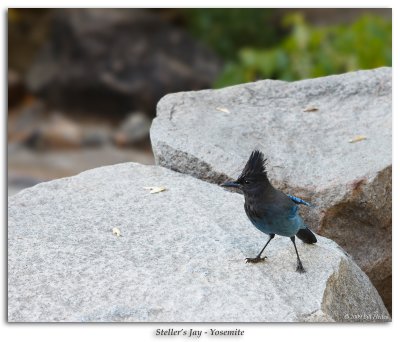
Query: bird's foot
300	268
255	260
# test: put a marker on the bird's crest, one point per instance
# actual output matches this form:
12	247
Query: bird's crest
255	166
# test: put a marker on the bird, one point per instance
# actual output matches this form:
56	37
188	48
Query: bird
270	210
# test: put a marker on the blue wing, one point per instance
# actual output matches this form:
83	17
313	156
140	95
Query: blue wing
299	201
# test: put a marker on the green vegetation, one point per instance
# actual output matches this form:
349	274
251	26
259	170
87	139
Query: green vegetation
314	51
227	30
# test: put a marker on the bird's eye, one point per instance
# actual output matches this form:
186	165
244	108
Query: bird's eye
246	181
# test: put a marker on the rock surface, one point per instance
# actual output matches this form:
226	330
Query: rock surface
117	60
24	125
133	130
59	132
305	129
180	257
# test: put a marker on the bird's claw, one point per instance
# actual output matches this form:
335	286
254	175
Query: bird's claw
300	268
255	260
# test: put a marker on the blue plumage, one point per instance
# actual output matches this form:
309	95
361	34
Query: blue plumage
275	219
270	210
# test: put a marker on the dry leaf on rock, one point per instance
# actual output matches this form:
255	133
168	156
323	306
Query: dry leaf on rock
155	189
116	231
222	109
358	138
310	109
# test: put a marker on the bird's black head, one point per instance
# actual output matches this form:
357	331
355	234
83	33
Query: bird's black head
253	175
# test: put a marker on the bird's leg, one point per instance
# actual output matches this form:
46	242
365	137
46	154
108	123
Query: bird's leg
300	267
258	257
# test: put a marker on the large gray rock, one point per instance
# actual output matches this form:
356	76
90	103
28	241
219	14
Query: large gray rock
304	128
180	257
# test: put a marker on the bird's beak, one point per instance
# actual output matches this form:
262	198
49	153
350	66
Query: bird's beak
230	185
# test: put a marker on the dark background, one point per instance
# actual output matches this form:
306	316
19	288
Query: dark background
83	84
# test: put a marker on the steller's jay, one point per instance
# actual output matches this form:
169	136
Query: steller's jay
269	209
